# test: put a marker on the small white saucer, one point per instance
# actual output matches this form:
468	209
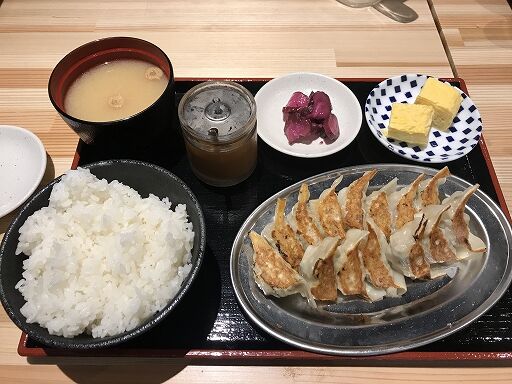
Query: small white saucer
274	95
22	166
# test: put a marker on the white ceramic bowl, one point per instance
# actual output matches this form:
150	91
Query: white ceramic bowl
22	166
274	95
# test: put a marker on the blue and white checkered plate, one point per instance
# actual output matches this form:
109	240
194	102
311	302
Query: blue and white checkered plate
462	136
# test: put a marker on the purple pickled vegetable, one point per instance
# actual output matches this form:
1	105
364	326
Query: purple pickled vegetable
317	127
297	100
298	130
331	128
308	118
320	105
298	104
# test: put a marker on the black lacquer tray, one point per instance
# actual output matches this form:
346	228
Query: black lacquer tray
209	324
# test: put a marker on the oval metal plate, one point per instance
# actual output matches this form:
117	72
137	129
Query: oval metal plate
428	311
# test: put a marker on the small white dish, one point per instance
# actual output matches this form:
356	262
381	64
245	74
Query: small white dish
274	95
22	166
462	136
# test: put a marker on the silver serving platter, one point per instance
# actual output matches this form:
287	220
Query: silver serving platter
430	310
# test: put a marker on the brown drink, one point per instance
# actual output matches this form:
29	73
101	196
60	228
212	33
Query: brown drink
219	127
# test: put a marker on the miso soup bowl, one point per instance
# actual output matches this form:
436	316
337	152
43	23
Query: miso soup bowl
141	128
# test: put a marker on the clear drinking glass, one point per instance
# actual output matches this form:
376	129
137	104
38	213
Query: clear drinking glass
218	121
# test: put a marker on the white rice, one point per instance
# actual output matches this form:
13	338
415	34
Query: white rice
101	258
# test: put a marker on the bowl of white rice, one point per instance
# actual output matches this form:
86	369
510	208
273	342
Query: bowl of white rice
101	254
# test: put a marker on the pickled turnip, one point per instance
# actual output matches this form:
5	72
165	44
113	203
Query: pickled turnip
309	117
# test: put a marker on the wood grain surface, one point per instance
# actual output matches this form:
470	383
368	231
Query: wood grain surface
478	35
265	38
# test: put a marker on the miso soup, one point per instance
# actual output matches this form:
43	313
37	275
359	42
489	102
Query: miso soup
115	90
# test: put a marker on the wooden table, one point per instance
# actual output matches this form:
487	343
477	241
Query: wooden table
265	38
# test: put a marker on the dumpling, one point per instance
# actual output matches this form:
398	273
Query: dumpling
374	253
377	207
407	251
271	272
402	203
429	189
328	211
440	248
285	238
348	264
317	267
306	226
420	268
350	272
351	200
460	222
362	245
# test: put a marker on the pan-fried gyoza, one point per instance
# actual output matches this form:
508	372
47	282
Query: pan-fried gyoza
348	243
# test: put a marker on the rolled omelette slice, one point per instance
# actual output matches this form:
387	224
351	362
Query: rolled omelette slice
410	123
445	100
